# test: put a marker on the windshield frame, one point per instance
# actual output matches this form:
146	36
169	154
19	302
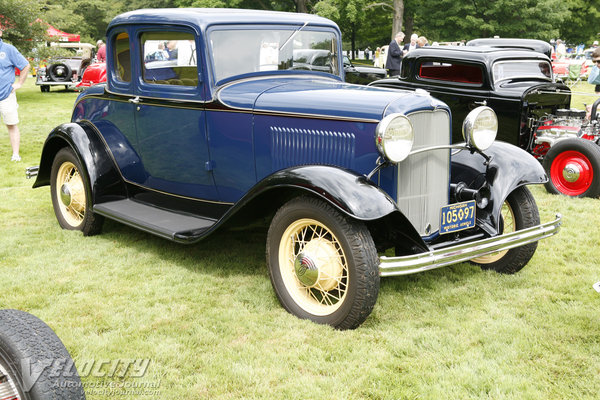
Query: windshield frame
291	31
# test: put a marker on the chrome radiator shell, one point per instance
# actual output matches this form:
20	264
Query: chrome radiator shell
423	179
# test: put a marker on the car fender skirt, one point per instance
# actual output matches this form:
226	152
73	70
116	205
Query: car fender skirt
507	168
105	180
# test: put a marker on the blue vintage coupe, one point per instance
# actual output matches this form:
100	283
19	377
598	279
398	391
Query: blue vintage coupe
209	116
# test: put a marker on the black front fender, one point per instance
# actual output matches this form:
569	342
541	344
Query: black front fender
82	138
349	192
508	168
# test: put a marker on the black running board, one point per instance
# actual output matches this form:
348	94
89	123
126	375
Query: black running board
167	224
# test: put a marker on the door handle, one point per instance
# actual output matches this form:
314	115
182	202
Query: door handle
135	100
480	103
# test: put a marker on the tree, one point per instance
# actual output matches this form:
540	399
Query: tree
582	24
449	20
18	19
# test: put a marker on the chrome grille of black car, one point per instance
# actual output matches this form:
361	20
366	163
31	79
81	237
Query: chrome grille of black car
423	179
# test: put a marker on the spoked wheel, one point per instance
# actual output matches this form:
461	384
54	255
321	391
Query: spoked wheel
34	363
519	211
323	265
71	194
574	168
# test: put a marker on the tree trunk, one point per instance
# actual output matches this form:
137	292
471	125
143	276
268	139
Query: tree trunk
353	40
398	16
301	6
409	25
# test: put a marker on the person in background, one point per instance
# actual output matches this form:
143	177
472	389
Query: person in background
596	61
376	60
394	56
101	54
422	41
561	49
413	43
10	58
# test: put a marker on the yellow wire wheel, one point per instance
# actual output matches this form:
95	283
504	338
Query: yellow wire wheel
518	212
71	194
70	191
313	266
508	222
323	264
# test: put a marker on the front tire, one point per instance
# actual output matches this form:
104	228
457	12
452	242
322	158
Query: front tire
573	166
323	264
71	194
519	211
34	363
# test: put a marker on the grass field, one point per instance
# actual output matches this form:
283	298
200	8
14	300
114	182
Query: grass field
209	322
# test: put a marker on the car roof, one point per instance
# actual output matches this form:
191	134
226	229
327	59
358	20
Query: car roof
204	17
515	43
483	54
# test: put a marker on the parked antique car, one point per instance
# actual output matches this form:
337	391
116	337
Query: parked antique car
362	74
226	129
518	85
94	74
65	71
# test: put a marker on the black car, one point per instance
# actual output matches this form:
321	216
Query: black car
361	73
533	110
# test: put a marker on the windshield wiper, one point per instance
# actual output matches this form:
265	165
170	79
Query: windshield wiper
293	35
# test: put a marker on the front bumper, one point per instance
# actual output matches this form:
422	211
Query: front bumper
412	264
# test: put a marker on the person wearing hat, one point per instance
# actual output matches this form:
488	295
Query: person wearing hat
10	58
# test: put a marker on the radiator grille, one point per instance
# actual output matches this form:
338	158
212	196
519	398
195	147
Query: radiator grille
423	179
292	146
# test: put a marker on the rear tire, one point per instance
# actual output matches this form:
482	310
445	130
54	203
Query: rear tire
519	211
323	264
34	363
573	166
71	194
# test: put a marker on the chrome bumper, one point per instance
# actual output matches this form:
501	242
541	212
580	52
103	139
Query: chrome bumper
30	172
391	266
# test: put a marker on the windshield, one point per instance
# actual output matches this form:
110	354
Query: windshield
242	51
522	69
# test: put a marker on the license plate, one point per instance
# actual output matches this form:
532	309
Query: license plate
458	216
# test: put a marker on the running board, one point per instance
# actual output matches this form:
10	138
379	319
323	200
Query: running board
167	224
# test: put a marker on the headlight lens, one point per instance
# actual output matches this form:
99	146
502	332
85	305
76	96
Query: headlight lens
394	137
480	128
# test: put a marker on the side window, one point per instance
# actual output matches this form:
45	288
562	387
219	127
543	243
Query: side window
169	58
122	57
451	72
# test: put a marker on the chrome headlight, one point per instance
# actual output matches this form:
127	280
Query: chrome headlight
480	128
394	137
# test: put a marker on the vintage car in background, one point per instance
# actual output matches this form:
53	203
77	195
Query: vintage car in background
362	74
65	71
531	107
94	74
354	182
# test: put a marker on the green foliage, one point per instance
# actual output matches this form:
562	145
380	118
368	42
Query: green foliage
17	17
581	26
448	20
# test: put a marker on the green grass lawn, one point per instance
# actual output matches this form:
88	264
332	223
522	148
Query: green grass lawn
207	317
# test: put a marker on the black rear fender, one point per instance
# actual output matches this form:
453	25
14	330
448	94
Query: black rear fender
105	181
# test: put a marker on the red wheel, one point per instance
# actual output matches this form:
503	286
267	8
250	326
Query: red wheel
573	166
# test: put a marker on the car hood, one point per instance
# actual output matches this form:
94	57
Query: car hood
321	97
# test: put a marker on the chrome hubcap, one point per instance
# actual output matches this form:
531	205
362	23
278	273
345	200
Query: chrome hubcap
571	172
8	390
306	270
65	194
